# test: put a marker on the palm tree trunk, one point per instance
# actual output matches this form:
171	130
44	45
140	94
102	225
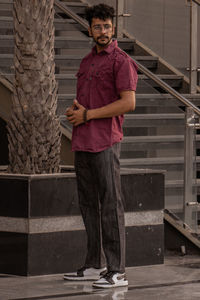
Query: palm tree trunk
34	129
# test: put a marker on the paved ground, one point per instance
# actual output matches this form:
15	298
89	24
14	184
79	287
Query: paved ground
177	279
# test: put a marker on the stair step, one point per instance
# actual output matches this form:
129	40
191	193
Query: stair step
66	25
157	142
173	166
152	120
141	77
175	81
4	2
161	138
5	58
5	13
148	61
61	42
70	42
126	44
6	7
146	98
179	183
67	82
178	160
75	60
6	22
164	101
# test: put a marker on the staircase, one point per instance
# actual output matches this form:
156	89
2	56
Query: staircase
154	133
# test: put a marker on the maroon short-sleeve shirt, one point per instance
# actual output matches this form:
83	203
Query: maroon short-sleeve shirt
101	78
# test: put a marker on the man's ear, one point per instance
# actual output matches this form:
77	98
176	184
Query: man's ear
113	30
90	31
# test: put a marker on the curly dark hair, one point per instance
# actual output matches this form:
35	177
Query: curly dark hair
101	11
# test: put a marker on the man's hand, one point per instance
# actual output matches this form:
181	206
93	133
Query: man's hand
75	113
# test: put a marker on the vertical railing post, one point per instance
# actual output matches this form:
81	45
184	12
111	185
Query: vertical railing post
189	205
193	46
119	18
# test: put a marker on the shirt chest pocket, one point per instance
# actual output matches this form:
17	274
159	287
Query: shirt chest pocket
104	75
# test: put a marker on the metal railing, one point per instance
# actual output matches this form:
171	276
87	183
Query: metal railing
196	1
167	88
189	203
71	14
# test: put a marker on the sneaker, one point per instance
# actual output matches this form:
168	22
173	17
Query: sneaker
111	279
85	274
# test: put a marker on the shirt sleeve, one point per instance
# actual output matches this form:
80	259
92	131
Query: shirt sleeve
125	75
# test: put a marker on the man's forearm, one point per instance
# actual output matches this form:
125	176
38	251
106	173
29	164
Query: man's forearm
80	115
116	108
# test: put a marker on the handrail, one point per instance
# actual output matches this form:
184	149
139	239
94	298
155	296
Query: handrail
141	68
167	88
71	14
196	1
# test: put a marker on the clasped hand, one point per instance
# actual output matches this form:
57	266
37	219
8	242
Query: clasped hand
75	113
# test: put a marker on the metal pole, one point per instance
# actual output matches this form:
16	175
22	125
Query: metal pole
189	205
198	76
193	46
119	18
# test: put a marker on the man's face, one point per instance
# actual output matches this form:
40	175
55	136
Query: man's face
101	31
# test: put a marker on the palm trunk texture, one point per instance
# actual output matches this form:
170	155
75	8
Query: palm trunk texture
34	130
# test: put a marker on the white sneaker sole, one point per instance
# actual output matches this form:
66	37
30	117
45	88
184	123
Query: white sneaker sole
93	275
84	278
107	285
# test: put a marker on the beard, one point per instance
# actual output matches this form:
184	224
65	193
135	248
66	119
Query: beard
107	40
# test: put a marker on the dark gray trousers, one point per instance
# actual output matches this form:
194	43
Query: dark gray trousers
102	209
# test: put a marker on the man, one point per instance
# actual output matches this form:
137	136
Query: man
106	87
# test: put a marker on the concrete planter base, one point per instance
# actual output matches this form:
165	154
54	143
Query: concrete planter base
41	230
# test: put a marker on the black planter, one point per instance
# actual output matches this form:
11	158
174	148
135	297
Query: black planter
41	230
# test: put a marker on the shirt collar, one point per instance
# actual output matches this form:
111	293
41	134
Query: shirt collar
108	49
